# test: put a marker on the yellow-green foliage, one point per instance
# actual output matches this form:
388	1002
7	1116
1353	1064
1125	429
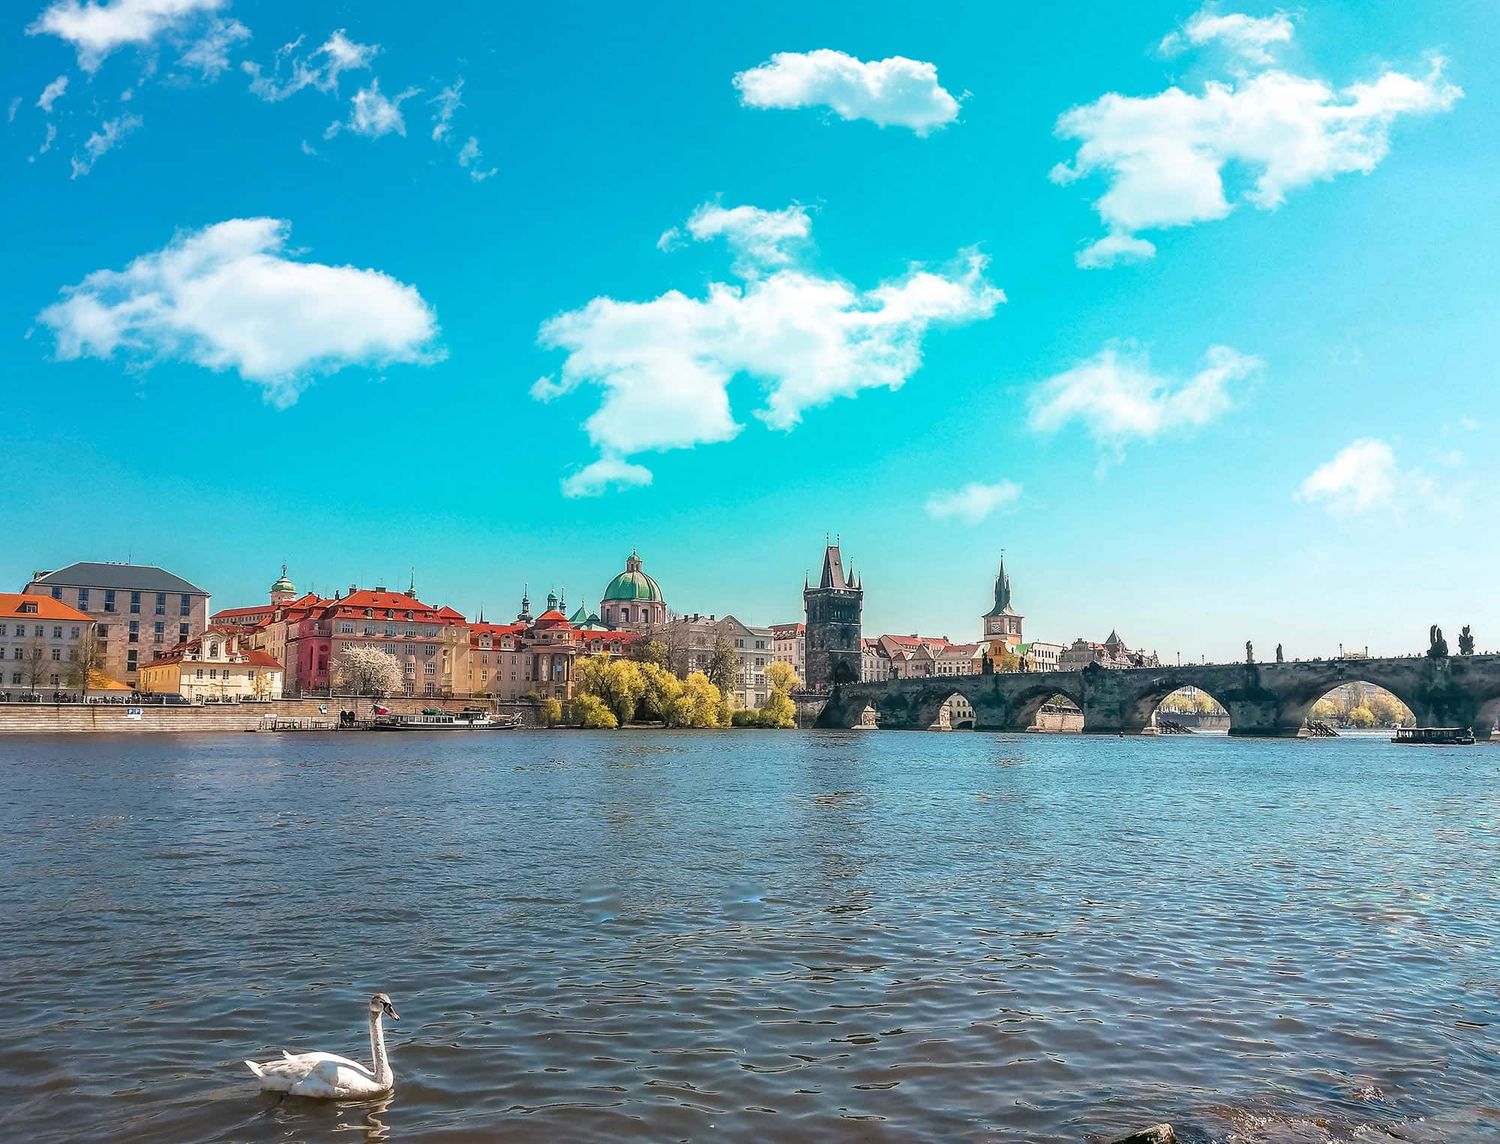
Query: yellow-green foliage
782	677
617	683
700	704
662	691
590	711
551	712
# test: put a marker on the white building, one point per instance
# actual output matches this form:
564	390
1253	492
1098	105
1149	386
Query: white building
41	643
756	648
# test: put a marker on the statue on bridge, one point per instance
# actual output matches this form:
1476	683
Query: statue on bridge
1280	655
1437	646
1249	652
986	664
1466	641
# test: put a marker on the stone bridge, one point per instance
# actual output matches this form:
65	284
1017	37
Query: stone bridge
1266	699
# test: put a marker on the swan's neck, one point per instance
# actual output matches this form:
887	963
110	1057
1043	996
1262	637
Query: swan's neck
382	1063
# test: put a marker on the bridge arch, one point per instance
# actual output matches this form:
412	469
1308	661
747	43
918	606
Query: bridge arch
1298	702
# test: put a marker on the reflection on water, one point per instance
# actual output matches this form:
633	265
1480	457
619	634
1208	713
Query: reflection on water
798	937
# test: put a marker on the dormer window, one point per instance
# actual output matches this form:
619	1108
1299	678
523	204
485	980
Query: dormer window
28	609
408	615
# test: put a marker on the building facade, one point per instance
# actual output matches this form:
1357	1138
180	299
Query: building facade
215	666
788	647
1112	653
43	641
139	610
756	651
832	643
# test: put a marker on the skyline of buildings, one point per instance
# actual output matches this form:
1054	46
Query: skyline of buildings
152	630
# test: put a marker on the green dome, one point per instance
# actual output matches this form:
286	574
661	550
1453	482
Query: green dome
284	585
633	584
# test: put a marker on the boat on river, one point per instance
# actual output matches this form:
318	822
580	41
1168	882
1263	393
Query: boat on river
1434	736
435	719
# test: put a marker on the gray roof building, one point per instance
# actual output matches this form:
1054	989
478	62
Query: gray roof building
127	577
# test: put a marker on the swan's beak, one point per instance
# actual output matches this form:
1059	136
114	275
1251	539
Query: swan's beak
390	1011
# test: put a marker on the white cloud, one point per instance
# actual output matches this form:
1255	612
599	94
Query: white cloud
97	29
604	474
15	106
665	366
760	239
320	69
106	139
1116	396
372	115
1362	476
228	298
1113	249
893	92
448	101
209	54
1252	38
51	94
1165	157
471	159
972	503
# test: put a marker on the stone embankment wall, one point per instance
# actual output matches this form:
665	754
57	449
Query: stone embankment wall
45	718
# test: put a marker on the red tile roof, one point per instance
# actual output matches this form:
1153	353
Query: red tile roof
46	608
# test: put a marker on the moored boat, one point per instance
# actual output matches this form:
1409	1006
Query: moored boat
1434	736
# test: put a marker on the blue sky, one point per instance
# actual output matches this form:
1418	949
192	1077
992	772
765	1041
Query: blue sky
1276	427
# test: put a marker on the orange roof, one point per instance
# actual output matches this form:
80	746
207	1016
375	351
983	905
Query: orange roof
46	608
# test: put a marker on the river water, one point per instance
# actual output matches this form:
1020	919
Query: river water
753	936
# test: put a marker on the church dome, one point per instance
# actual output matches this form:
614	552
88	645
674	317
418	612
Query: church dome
633	584
283	585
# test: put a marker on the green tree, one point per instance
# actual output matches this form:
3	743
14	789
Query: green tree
700	703
779	710
650	650
723	666
662	691
590	711
1361	716
783	677
619	683
550	712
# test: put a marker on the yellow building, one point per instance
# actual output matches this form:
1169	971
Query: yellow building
215	668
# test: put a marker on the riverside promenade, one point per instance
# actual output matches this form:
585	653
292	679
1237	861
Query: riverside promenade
117	718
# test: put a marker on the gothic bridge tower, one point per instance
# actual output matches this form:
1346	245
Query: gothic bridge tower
833	645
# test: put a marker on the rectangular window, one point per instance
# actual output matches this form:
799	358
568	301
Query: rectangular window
75	632
57	654
213	673
346	629
185	608
83	599
182	631
130	659
161	603
161	630
109	599
57	593
135	631
200	673
15	677
135	603
431	669
2	629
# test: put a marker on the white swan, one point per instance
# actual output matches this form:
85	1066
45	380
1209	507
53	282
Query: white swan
330	1077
